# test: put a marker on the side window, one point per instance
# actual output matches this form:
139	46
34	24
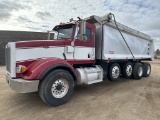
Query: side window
88	34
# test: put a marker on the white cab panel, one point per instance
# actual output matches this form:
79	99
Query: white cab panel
34	53
81	53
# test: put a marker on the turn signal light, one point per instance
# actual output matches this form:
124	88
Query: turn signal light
21	69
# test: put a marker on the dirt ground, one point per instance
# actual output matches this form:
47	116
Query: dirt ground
125	99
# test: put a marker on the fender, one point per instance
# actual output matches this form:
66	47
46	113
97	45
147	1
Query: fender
38	69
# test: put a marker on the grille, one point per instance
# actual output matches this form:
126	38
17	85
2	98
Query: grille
8	59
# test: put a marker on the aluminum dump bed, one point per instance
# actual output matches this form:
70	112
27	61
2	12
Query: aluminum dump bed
110	44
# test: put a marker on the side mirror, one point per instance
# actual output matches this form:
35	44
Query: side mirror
83	31
83	27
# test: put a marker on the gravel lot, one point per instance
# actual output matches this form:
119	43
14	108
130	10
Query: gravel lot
125	99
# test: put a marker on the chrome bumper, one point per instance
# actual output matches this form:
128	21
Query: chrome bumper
21	85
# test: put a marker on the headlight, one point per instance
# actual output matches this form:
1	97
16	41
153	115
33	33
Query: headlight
21	69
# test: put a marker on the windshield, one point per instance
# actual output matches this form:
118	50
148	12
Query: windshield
65	31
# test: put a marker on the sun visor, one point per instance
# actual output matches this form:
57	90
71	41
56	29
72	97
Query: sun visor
93	19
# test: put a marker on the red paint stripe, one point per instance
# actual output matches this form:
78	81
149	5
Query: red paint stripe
40	43
29	61
40	47
81	61
48	43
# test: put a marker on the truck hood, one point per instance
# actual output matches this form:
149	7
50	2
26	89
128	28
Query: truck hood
40	43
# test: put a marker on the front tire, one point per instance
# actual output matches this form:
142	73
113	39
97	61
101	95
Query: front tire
56	88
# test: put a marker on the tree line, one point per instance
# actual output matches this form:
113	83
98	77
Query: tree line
157	52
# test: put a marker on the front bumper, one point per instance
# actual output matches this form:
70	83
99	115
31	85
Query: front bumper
21	85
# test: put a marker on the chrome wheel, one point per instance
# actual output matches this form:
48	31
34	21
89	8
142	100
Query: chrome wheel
60	88
140	71
129	70
115	72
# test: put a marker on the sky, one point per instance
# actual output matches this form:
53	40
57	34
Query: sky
43	15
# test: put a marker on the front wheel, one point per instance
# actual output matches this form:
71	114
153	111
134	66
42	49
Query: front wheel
56	88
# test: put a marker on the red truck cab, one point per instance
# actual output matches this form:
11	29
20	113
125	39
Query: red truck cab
29	62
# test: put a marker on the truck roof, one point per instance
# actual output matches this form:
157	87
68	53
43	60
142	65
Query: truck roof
62	24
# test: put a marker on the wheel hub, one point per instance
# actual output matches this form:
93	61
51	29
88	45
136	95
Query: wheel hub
129	70
60	88
115	72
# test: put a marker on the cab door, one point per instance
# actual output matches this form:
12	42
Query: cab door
85	50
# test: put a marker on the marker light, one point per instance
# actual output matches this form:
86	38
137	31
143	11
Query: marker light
21	69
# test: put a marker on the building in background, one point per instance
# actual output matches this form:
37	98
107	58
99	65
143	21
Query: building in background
13	36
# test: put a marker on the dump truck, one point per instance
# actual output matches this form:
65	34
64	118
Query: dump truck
82	51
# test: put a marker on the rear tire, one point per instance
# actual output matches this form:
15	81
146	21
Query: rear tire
56	88
146	69
137	71
114	72
127	70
